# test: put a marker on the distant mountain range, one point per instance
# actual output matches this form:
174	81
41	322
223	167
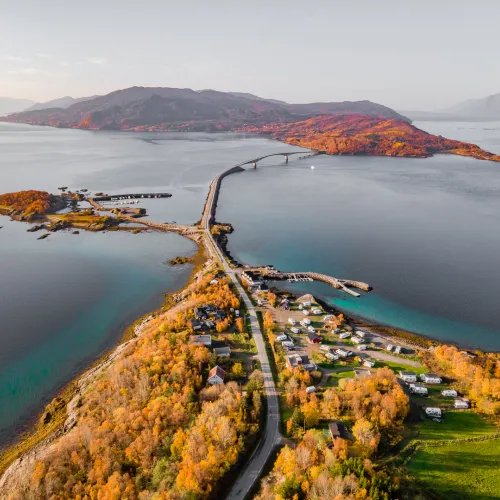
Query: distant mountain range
10	105
163	108
482	109
62	102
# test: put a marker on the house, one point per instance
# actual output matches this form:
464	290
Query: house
210	324
434	412
361	373
461	404
449	393
310	389
195	324
357	340
263	288
408	376
305	312
430	378
397	349
200	313
285	305
292	321
252	278
214	282
325	348
337	331
310	367
220	314
312	338
295	330
343	353
209	308
362	347
281	337
288	344
237	313
297	359
307	303
223	352
344	335
335	429
369	363
205	340
419	389
331	356
216	375
361	334
389	347
305	322
311	329
317	310
328	317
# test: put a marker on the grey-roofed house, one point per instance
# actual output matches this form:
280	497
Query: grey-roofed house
223	352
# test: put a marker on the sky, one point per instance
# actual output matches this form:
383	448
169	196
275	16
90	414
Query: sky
419	55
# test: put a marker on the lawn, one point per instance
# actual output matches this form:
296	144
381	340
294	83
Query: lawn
397	367
333	378
461	470
456	425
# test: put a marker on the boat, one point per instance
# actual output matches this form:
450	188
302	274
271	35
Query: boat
312	167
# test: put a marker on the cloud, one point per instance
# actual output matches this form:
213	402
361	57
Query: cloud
14	59
43	55
23	71
96	60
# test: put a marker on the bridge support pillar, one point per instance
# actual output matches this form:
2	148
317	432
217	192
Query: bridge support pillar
286	159
254	164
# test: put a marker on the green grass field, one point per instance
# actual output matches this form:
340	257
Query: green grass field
460	470
456	425
397	367
333	378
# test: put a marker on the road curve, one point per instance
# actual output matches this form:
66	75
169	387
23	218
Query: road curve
271	437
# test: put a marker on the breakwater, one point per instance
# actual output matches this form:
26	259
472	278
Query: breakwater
134	196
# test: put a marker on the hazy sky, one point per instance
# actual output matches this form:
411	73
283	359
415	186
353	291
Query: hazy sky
423	54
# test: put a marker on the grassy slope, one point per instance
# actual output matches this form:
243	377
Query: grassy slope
461	470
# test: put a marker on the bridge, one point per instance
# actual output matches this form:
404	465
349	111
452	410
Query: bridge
286	155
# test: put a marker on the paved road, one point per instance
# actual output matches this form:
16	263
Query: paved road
272	436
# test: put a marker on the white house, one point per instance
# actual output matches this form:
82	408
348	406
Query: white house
294	330
252	278
307	303
361	334
397	349
316	310
370	363
344	335
357	340
362	347
433	412
216	375
449	393
292	321
281	337
305	322
325	348
331	356
430	378
310	389
408	376
389	347
214	282
305	312
461	404
343	353
419	389
287	343
311	329
328	317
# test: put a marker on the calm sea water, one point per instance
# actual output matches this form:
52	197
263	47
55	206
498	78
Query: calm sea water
423	232
66	299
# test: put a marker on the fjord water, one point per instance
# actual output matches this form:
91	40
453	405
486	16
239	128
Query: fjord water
67	299
423	232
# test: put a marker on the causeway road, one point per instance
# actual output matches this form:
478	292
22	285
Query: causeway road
271	437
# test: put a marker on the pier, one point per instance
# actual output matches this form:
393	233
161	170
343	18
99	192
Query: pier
119	197
338	283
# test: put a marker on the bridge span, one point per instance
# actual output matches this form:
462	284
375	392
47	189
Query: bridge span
286	155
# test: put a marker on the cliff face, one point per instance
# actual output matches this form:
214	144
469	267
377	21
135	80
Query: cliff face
146	108
366	135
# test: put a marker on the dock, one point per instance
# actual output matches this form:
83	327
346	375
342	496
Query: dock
338	283
134	196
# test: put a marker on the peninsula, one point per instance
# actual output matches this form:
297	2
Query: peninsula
353	128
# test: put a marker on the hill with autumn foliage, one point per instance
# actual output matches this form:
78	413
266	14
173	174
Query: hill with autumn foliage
169	109
367	135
